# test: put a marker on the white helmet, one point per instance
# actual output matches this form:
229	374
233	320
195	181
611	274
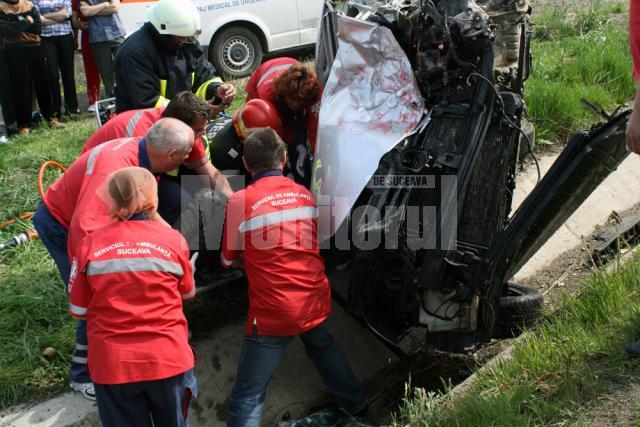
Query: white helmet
175	17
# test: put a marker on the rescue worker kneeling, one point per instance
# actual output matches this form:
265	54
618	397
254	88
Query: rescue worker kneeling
128	281
71	208
226	145
274	222
190	110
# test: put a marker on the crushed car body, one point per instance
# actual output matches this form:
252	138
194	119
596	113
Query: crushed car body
432	241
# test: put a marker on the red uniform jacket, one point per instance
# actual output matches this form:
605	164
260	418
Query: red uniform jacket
128	280
260	86
73	199
634	35
274	221
137	123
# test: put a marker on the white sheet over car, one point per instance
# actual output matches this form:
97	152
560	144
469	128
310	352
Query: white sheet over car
370	103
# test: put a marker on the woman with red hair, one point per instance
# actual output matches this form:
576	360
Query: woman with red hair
295	91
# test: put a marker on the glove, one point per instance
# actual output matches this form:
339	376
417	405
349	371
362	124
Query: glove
302	156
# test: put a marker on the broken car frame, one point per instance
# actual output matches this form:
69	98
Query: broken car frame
471	60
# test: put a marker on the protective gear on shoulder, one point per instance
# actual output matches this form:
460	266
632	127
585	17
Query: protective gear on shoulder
175	18
254	115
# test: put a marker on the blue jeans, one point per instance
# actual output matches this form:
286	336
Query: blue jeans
165	402
54	236
259	357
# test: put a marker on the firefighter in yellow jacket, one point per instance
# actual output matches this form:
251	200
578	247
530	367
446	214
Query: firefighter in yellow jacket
163	58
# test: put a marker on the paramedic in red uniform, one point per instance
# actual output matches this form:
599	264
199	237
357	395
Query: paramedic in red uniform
273	223
633	128
72	209
193	111
129	279
295	91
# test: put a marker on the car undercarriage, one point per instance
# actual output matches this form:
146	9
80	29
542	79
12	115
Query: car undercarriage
449	270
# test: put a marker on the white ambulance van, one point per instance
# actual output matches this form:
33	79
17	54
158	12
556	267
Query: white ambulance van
239	33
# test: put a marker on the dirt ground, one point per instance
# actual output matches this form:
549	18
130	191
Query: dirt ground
618	407
429	368
434	370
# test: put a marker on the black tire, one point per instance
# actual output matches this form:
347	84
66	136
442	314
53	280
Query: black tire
519	309
235	52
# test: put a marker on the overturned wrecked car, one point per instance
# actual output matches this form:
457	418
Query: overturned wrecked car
421	127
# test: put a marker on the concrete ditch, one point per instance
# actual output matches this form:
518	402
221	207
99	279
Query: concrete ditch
296	386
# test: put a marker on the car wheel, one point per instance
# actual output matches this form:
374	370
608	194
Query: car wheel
519	309
236	52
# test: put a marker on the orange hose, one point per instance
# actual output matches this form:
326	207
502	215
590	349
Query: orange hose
40	189
11	221
41	173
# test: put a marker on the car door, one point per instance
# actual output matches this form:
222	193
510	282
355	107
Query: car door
280	17
309	13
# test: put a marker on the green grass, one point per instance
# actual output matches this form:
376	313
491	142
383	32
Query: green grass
33	305
595	67
557	22
581	54
577	56
556	370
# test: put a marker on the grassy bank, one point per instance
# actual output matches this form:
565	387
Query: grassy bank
582	54
33	305
556	370
579	52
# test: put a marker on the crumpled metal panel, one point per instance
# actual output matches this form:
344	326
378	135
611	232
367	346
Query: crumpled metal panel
370	102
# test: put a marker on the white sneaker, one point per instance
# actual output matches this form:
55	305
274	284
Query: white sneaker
86	389
91	108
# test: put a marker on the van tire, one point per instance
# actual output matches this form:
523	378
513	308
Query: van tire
519	309
236	52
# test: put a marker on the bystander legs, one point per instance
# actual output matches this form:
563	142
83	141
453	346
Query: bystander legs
57	41
106	34
20	28
6	99
91	74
